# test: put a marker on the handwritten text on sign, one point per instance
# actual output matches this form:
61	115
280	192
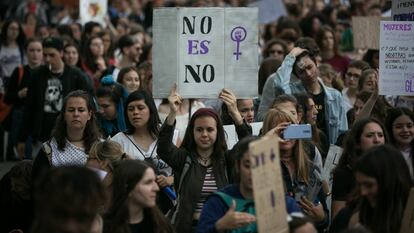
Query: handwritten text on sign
209	55
396	58
403	10
269	194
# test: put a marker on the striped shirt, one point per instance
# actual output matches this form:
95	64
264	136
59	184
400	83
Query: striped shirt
209	187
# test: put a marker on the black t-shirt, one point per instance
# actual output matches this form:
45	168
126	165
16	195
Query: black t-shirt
343	183
319	100
144	226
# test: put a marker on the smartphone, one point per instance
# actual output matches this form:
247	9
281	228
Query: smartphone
298	131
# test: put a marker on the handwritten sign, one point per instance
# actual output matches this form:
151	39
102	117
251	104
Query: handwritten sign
407	224
396	70
332	160
269	194
402	10
93	10
366	32
204	50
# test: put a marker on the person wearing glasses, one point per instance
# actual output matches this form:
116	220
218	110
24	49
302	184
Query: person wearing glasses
351	78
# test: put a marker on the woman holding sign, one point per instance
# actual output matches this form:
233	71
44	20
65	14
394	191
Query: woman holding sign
233	207
202	164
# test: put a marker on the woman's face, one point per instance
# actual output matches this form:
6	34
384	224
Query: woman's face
289	107
35	53
369	83
205	132
13	31
276	51
246	173
106	39
246	109
328	41
372	135
368	187
77	113
358	105
403	130
131	81
71	55
145	191
97	47
107	108
138	113
312	112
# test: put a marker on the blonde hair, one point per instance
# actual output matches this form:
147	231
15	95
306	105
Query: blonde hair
276	116
107	150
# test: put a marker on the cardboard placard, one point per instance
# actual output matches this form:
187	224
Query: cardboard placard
366	32
204	50
269	10
93	10
402	10
269	194
407	224
396	68
332	160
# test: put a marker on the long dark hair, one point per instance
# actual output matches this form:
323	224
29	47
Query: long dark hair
91	133
88	58
126	175
352	145
238	152
220	146
387	166
20	40
154	121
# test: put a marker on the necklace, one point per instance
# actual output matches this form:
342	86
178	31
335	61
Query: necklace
205	161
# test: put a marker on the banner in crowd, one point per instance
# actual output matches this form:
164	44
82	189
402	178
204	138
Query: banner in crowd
407	224
269	194
204	50
366	32
269	10
402	10
93	10
396	69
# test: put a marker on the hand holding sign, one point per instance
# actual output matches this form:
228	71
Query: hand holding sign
175	102
234	219
230	101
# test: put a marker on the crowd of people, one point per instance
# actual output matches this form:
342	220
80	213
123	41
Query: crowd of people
95	152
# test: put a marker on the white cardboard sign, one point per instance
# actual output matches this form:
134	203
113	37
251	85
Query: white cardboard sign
396	70
204	50
402	10
93	10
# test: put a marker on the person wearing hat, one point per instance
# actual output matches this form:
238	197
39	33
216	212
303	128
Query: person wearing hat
50	83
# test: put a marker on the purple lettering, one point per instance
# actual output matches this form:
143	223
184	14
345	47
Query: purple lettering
192	46
204	47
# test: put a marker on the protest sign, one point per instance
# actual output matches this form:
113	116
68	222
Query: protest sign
396	69
93	10
402	10
332	160
231	134
269	194
407	224
366	32
269	10
204	50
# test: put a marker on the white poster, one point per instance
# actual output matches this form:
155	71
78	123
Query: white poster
93	10
402	10
231	135
396	70
204	51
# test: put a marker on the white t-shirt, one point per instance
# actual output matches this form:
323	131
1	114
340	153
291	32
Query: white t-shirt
136	152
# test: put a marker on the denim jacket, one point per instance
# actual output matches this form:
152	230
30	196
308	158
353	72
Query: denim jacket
335	114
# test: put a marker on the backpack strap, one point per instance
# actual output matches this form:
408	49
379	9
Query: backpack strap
48	151
21	72
183	173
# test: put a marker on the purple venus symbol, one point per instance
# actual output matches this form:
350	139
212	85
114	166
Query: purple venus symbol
238	34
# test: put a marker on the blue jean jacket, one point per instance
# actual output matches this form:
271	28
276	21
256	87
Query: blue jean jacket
335	114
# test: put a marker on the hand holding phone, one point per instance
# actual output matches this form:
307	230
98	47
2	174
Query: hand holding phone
298	131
